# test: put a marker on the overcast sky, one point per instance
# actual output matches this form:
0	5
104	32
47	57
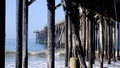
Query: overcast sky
37	17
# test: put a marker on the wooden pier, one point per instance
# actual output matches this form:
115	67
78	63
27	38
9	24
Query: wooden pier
90	31
42	36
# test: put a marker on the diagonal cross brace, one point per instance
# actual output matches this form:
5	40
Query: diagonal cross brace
30	2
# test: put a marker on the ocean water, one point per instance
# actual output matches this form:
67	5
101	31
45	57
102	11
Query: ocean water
37	55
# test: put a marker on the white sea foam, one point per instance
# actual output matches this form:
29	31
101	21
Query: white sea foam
105	65
41	62
38	59
60	64
37	64
42	53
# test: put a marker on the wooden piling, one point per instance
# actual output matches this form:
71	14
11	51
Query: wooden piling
105	38
82	29
92	36
19	25
69	39
51	33
114	41
73	9
110	42
2	33
74	42
66	38
89	47
84	19
37	36
101	41
75	22
25	34
87	36
96	36
90	22
118	46
66	2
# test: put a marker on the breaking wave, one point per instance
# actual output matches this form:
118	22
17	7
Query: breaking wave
38	53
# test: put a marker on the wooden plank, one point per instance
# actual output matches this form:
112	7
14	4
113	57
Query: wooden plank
2	33
51	33
19	23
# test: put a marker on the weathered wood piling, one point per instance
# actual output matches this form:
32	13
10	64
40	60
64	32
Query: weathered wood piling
118	46
2	33
25	34
22	33
19	32
66	2
51	33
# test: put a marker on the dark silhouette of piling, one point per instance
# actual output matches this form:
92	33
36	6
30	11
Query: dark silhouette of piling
70	46
118	45
110	42
2	33
66	39
51	33
87	36
19	22
91	47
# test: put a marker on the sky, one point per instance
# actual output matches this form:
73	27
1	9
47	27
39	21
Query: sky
37	17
